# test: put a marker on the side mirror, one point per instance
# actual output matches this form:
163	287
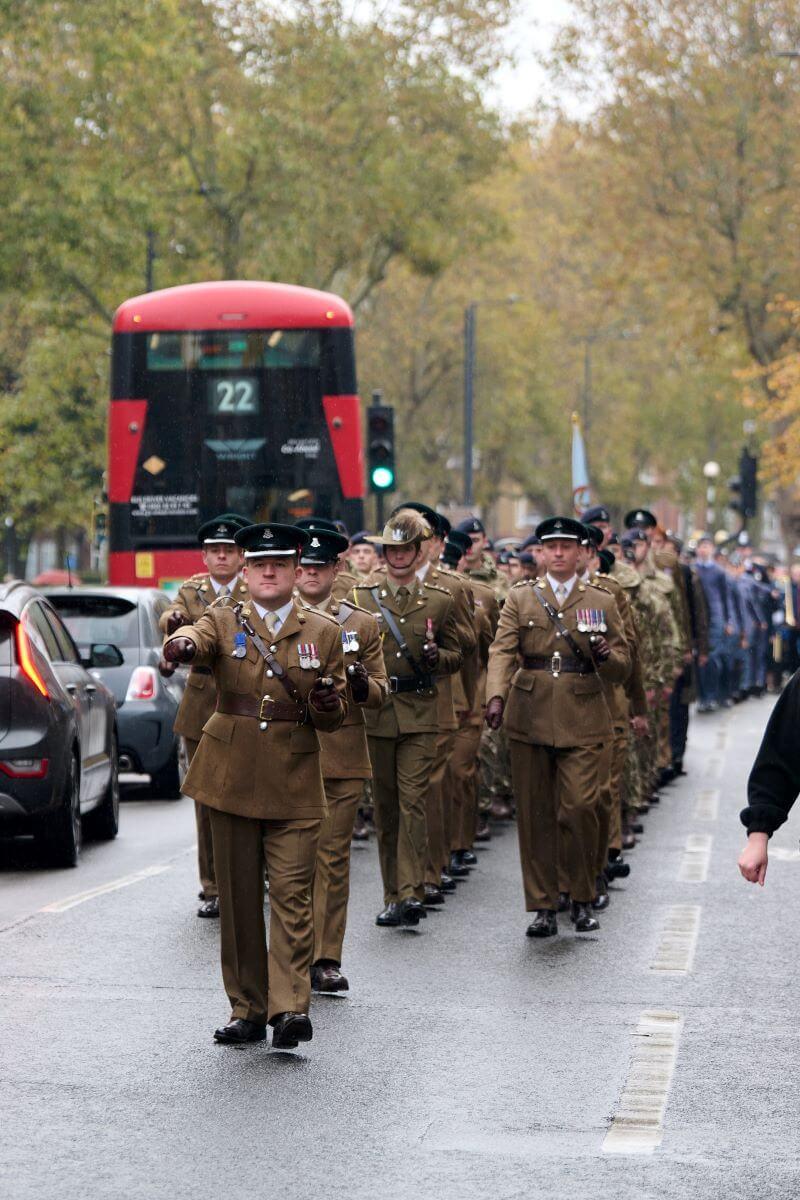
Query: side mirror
102	654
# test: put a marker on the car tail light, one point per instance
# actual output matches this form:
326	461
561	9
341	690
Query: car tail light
143	684
26	663
24	768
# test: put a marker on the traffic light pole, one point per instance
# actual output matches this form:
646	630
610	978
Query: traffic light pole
379	518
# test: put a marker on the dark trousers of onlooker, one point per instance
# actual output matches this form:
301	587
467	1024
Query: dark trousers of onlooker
679	716
710	676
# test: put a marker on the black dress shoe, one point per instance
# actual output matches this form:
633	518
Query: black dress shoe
390	915
483	833
209	908
411	911
433	895
563	901
543	925
448	883
637	827
617	868
239	1031
602	898
290	1028
457	869
582	919
326	977
467	858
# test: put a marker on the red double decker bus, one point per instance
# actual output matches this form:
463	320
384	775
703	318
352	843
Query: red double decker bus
227	397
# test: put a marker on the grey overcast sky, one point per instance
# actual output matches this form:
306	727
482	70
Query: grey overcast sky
520	86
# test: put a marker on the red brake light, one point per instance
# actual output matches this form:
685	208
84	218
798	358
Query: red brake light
24	768
26	663
143	684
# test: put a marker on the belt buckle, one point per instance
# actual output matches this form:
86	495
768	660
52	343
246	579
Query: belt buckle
555	665
393	682
264	717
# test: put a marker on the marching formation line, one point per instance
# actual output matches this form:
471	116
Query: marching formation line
676	945
59	906
696	858
638	1124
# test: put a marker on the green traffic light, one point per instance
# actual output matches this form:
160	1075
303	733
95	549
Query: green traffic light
382	478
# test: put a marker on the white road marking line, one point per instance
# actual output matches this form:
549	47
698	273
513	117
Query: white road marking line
696	858
713	768
114	885
722	739
638	1124
784	854
678	940
706	806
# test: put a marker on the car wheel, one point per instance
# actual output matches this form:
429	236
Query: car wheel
61	833
166	783
103	821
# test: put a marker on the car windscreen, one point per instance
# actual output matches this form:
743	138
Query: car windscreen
99	619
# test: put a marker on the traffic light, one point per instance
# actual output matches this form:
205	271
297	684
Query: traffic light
748	474
380	448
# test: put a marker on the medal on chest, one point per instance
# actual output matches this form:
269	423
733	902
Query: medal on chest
591	620
308	655
239	646
350	643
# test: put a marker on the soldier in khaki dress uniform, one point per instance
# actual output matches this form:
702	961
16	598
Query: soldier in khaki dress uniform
557	719
223	560
345	757
420	643
280	677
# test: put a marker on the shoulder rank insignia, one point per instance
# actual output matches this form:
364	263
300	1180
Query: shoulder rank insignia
591	620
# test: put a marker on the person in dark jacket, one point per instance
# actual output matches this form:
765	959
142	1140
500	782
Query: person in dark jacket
774	782
715	588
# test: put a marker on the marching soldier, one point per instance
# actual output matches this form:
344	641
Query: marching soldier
223	560
569	637
345	757
280	677
420	642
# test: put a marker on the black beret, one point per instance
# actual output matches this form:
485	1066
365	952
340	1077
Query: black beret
462	541
631	535
272	541
641	518
470	525
595	536
318	524
222	530
607	560
361	538
598	513
566	528
533	540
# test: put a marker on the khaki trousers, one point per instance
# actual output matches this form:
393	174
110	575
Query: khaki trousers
557	794
463	786
618	755
401	770
437	814
205	848
332	872
261	983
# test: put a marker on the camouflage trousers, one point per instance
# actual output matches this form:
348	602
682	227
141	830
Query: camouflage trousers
494	762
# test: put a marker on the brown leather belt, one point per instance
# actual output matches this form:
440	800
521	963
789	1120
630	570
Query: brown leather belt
555	663
266	709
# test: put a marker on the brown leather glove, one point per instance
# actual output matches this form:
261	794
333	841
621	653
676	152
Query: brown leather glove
494	712
358	679
174	621
165	668
180	650
430	655
600	648
323	696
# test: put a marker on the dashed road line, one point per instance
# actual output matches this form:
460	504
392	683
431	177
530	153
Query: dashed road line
713	768
59	906
676	945
696	858
638	1124
784	854
706	807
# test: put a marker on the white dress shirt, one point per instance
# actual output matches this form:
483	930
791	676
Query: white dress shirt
279	615
567	584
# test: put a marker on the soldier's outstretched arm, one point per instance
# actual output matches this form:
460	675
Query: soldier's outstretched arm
449	645
504	650
204	635
176	615
329	719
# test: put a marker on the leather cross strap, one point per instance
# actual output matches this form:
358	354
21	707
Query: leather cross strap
588	663
423	679
234	705
269	658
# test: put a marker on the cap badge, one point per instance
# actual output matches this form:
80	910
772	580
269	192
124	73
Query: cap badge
221	530
267	535
558	525
397	535
315	543
640	516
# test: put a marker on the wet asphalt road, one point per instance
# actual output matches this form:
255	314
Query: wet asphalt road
466	1061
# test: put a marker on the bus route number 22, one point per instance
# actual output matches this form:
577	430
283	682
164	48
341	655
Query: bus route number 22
234	397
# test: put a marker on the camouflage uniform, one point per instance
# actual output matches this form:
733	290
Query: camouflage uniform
494	760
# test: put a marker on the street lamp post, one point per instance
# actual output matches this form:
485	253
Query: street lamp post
470	322
711	472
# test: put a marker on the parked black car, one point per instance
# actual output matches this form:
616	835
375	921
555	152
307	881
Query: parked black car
58	737
146	704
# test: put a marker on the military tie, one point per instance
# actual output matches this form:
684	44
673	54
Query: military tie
224	590
561	594
402	596
271	622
